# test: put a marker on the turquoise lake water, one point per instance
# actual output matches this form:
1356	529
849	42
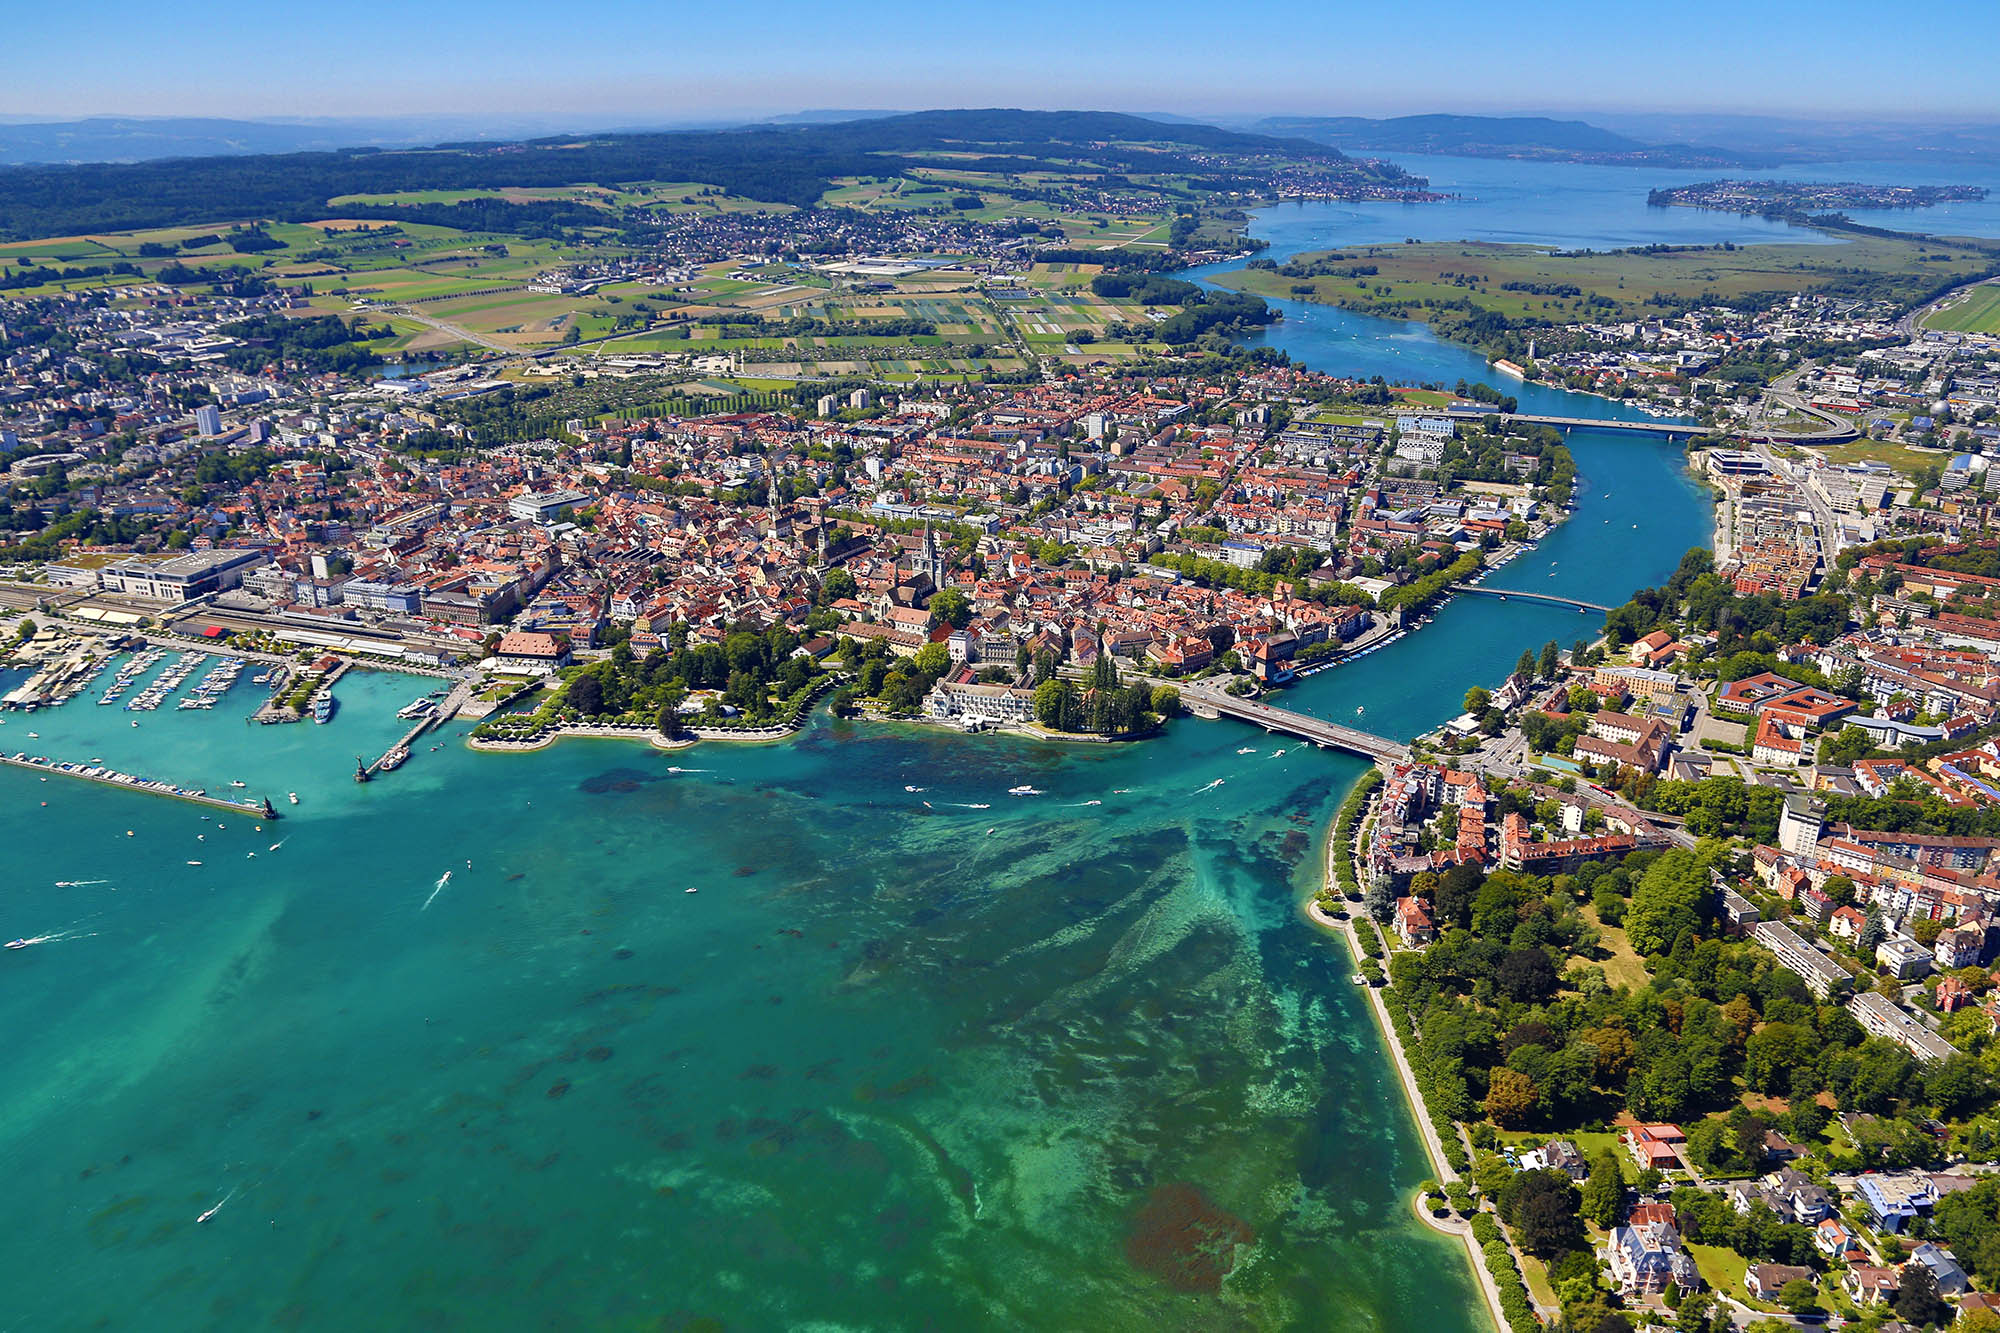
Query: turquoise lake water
890	1067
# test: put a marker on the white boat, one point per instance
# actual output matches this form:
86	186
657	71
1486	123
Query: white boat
239	784
292	796
1023	790
17	944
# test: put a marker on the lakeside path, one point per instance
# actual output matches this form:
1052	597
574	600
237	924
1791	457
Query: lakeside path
1433	1147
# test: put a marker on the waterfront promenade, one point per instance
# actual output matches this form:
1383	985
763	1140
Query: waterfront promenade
1441	1168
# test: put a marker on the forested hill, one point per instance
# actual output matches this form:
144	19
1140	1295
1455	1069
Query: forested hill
778	164
1494	136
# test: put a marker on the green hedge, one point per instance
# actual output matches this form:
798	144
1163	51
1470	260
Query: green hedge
1406	1033
1343	836
1499	1259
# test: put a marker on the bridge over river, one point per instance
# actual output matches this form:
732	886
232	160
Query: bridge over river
1836	433
1317	730
1509	594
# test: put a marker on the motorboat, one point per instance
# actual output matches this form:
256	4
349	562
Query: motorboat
17	944
292	796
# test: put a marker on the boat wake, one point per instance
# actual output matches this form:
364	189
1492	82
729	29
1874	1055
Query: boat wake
79	883
1080	804
973	805
209	1216
436	889
1210	787
54	937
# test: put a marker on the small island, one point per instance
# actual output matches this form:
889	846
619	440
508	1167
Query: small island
1789	199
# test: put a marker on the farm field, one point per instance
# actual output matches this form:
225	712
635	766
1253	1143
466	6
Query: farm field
1530	282
447	290
1978	311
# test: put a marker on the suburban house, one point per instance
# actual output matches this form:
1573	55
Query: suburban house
1649	1257
1655	1147
1559	1155
1765	1281
1413	922
1868	1285
1944	1266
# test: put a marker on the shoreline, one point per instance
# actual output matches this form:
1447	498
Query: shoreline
1413	1097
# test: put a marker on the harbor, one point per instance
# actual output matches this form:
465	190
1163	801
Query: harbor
428	712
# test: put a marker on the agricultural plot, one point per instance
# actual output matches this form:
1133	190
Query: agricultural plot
64	249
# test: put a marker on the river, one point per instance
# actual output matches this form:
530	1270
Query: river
905	1059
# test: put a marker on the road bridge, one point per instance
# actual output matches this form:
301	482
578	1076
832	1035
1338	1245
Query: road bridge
1319	731
1671	430
1506	594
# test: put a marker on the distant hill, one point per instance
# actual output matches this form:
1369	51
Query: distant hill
778	163
1495	136
149	138
1795	139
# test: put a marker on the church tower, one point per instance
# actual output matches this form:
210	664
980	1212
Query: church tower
933	561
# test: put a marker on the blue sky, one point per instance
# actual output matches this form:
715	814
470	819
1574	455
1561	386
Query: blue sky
670	59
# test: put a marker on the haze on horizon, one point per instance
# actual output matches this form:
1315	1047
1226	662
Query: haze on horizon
625	61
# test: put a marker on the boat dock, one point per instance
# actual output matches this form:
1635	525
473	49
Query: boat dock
127	782
393	757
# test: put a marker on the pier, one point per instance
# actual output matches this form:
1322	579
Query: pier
1331	735
446	710
126	782
1504	594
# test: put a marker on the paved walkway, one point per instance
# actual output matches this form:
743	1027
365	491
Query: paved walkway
1433	1146
1454	1225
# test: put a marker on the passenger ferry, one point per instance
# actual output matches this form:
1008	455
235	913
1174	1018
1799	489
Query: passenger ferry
323	706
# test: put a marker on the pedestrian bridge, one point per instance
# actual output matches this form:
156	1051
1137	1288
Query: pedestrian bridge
1319	731
1508	594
